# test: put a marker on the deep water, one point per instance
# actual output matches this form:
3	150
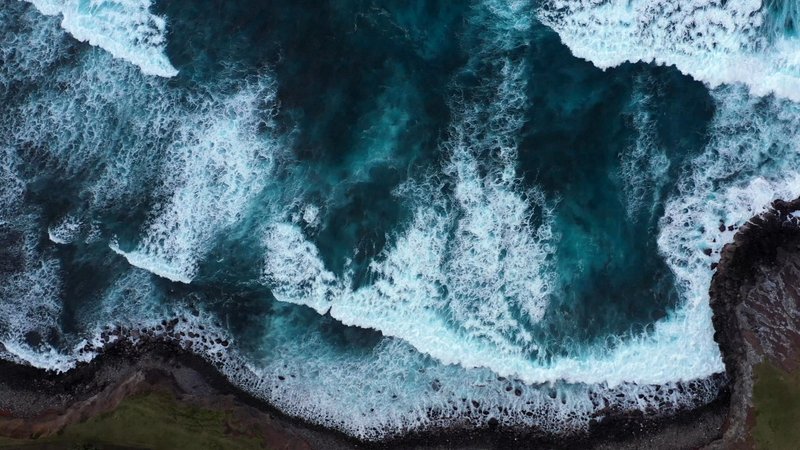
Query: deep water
401	214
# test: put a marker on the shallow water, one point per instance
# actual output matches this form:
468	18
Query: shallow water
401	215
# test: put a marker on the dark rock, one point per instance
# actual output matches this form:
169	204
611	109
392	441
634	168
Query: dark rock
745	304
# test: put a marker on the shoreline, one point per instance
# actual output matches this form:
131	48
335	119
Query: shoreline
750	315
38	403
124	370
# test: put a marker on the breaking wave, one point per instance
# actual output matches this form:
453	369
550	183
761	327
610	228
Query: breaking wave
752	42
220	158
471	271
193	185
125	28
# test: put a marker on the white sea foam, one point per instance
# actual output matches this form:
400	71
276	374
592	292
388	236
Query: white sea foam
207	153
749	162
439	284
131	305
295	271
311	215
751	159
470	271
451	282
198	135
127	29
67	230
714	41
29	46
390	389
30	282
219	159
644	163
100	96
12	187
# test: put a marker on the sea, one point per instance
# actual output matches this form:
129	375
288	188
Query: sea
387	217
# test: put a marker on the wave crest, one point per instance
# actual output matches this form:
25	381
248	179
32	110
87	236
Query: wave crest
714	41
124	28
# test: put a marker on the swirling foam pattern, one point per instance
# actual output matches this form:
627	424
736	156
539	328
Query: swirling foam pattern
378	242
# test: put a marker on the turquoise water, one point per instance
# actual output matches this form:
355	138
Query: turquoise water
401	215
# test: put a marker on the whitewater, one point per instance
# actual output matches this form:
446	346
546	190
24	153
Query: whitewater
750	42
131	190
126	29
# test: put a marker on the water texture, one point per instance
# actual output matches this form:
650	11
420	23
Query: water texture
397	216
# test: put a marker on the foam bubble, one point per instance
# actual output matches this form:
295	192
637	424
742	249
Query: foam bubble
295	271
124	28
714	41
311	215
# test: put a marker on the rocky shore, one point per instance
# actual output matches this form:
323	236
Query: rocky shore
35	404
755	297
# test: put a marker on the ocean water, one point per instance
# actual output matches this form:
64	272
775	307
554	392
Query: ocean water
398	216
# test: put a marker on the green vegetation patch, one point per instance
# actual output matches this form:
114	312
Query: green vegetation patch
777	399
151	421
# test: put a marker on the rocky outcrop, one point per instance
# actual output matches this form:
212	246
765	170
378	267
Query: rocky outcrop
755	297
35	403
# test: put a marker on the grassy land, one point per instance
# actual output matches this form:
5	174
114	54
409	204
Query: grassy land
777	399
153	421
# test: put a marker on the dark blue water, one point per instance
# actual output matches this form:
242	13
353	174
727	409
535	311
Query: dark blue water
387	208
